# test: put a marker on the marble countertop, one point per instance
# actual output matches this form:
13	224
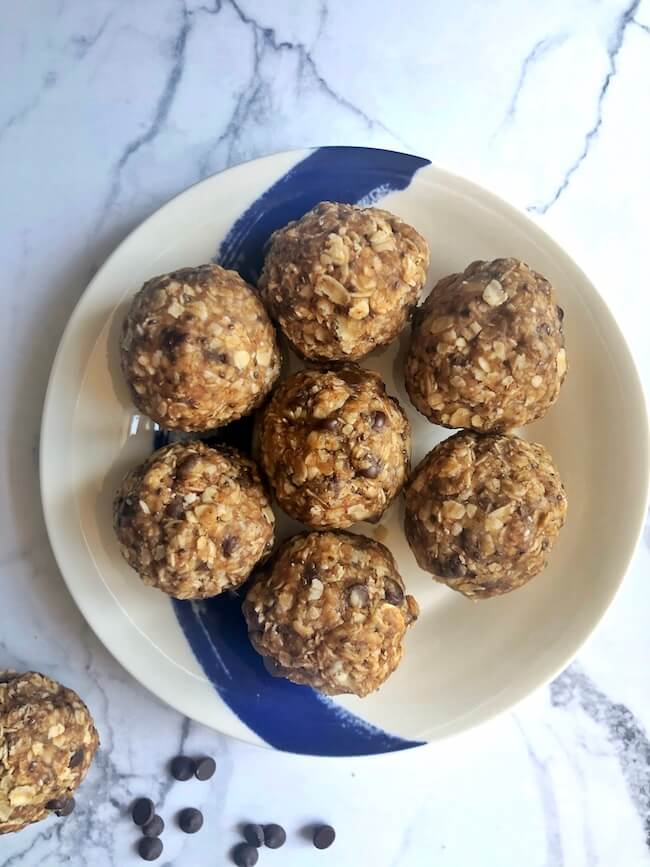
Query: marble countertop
108	109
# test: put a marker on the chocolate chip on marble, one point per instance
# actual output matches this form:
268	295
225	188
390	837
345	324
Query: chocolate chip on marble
182	768
56	804
68	806
150	848
358	595
245	855
205	768
274	836
190	820
76	758
254	834
324	836
154	827
393	593
379	419
143	811
229	546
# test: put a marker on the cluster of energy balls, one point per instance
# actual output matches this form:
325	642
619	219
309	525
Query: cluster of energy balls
199	350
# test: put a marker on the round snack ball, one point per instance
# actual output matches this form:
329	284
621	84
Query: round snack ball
343	280
483	511
47	743
198	349
330	611
487	349
335	446
193	521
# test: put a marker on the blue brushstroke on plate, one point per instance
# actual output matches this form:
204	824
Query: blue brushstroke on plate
288	717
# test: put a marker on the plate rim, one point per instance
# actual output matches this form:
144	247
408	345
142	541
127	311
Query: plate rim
464	184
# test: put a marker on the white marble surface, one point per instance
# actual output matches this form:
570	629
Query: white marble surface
107	109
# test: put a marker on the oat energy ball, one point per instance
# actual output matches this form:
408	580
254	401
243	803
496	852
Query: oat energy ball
198	349
330	611
487	350
335	446
343	280
193	520
47	743
483	512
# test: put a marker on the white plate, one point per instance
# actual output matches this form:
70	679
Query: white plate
464	661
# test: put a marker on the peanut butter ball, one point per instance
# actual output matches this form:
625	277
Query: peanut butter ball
198	349
343	280
483	512
487	348
330	611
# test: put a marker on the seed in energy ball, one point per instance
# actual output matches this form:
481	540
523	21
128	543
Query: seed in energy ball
324	836
154	827
143	811
190	820
150	848
205	768
182	768
274	836
245	855
254	834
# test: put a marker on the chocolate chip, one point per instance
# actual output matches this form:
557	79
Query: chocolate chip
330	424
229	546
370	472
310	571
68	806
324	836
272	666
357	595
245	855
154	827
544	328
213	355
393	593
190	820
274	836
76	758
150	848
254	834
205	768
175	509
182	768
560	313
143	811
379	419
171	338
56	804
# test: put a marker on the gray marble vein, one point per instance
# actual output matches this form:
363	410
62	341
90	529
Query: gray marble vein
614	46
539	50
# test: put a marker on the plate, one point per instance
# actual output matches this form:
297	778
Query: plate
464	661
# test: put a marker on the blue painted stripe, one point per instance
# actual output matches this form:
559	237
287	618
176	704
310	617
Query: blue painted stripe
286	716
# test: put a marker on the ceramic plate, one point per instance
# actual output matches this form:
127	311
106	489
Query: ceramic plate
464	661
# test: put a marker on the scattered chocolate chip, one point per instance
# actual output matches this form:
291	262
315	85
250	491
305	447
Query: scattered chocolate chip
330	424
274	836
175	509
324	836
229	546
182	768
190	820
205	768
150	848
143	811
379	419
357	595
370	472
393	592
154	827
76	758
254	834
68	806
245	855
56	804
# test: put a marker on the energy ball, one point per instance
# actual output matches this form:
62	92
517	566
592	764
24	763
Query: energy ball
198	349
330	611
193	521
335	446
483	512
47	743
487	349
343	280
